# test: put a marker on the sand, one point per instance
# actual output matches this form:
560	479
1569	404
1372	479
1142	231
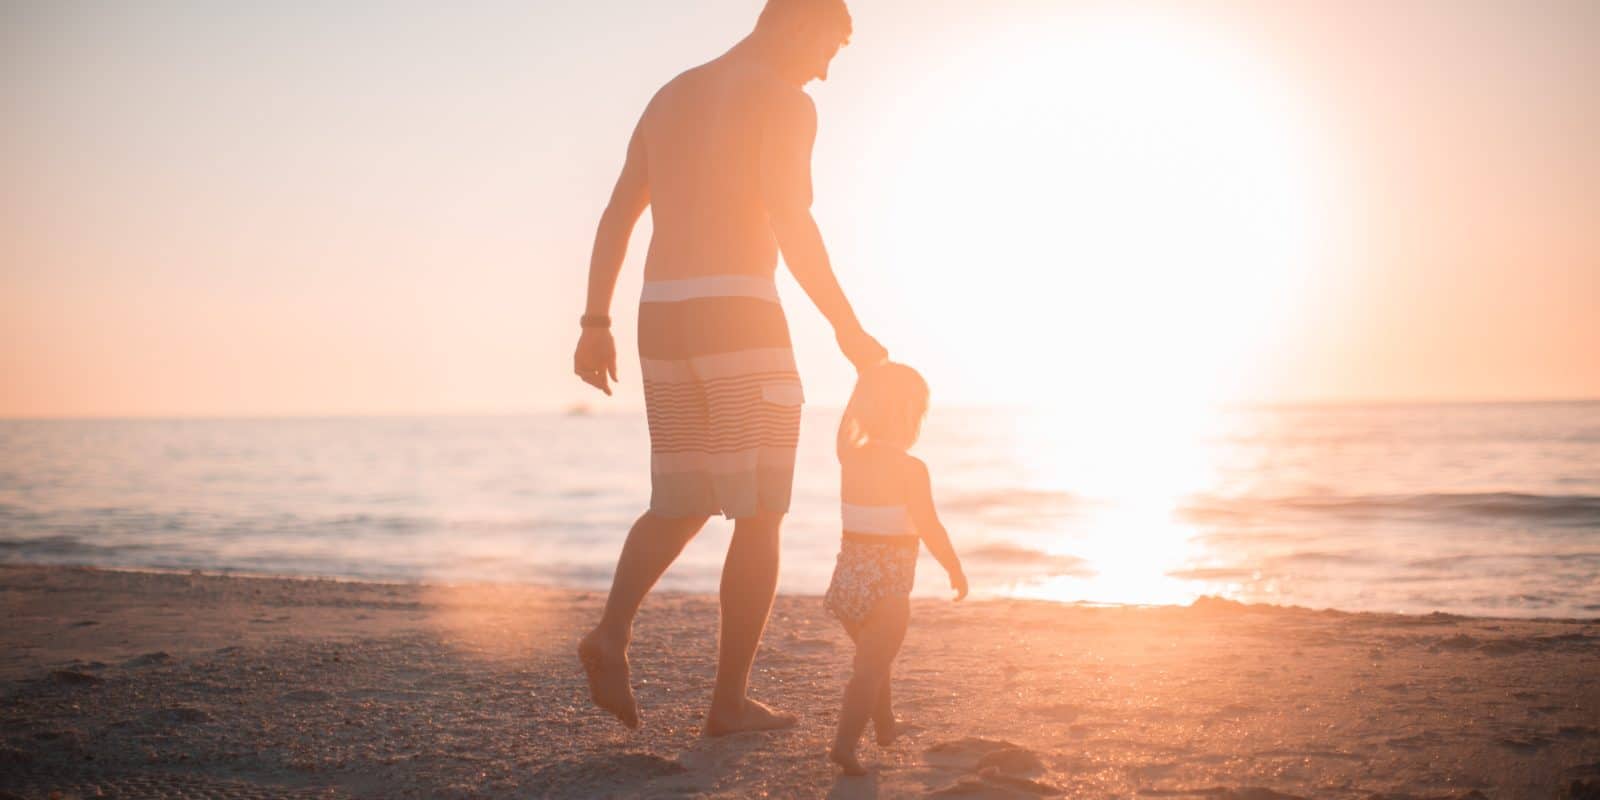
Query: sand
123	684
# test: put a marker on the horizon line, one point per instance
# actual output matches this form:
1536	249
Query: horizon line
581	409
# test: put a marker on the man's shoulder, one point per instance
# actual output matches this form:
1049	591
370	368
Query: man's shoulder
721	81
776	89
671	87
752	79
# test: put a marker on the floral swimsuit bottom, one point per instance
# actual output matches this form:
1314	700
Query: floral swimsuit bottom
877	560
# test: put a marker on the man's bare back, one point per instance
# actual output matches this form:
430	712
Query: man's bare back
703	137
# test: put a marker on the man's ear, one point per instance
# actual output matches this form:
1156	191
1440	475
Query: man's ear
807	30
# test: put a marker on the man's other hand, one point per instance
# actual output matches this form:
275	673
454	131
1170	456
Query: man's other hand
596	358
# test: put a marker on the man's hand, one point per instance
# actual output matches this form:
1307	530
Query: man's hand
862	350
596	358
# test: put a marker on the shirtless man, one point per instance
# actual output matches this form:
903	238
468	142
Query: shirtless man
722	155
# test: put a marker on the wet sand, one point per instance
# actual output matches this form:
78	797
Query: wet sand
160	685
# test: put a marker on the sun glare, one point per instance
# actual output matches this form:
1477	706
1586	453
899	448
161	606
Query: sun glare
1139	186
1150	195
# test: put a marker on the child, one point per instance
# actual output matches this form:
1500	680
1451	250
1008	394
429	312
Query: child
888	510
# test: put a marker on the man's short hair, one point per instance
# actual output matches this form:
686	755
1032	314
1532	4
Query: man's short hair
825	11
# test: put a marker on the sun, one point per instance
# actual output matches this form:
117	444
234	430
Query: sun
1110	208
1109	218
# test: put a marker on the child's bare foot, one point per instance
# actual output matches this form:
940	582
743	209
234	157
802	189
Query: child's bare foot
847	761
888	730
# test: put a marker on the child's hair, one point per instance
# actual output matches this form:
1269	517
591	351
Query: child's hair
886	408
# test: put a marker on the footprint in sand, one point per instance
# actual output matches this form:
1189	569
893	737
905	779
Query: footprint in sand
1003	769
1012	761
148	660
964	753
68	677
1530	744
980	789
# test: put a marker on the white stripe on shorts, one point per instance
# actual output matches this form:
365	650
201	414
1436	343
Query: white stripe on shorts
710	286
720	463
719	365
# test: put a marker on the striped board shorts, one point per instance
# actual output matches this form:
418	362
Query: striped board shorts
722	395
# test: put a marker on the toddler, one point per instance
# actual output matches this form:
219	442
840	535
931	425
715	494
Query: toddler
888	514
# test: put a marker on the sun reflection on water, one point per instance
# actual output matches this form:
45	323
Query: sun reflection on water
1130	472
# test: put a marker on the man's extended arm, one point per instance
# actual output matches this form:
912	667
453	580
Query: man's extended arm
786	190
596	356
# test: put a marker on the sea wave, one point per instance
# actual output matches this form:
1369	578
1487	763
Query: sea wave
1579	510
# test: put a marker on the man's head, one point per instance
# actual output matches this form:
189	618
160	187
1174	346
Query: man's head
806	34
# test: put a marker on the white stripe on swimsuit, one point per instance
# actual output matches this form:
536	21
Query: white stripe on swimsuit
876	520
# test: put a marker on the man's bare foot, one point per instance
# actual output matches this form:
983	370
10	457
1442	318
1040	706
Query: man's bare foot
846	761
606	664
753	716
887	732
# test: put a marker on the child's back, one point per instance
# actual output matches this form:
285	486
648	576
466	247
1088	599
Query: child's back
873	475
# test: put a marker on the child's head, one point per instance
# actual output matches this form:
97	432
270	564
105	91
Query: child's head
886	409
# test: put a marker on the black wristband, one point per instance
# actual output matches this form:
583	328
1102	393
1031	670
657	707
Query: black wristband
595	321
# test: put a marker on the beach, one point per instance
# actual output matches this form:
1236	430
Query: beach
137	684
1233	360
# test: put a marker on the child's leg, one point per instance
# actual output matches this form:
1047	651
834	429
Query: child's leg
876	646
883	715
883	719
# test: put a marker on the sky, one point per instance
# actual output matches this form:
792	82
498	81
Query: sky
363	207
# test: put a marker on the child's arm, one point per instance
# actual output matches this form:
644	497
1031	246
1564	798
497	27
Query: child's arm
919	501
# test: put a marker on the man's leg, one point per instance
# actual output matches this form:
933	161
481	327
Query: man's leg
749	581
653	544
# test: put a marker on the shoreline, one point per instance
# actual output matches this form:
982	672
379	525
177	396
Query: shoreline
260	686
245	574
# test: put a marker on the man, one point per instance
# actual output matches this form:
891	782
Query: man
722	155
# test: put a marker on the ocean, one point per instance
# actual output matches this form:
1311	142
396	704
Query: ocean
1481	509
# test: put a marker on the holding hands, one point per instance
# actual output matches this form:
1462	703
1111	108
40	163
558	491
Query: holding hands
857	345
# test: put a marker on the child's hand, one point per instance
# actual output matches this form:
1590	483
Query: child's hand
958	582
